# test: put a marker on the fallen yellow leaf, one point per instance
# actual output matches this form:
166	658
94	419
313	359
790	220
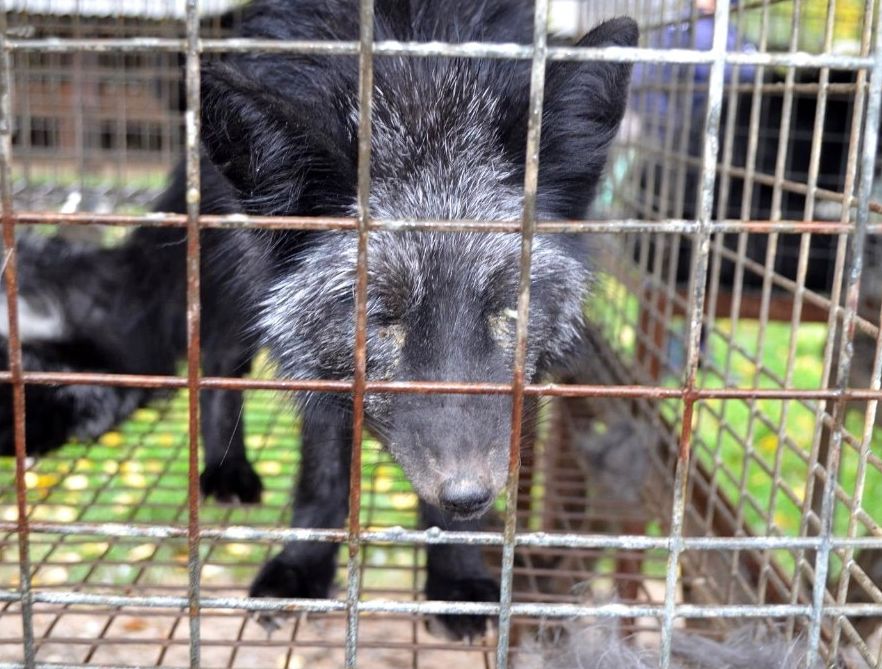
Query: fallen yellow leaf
269	467
769	443
142	552
146	415
239	550
134	480
165	439
112	439
404	500
76	482
382	484
135	625
50	576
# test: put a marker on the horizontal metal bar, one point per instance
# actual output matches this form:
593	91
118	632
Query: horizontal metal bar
440	387
622	226
443	607
771	180
434	535
692	87
161	220
628	225
56	665
436	49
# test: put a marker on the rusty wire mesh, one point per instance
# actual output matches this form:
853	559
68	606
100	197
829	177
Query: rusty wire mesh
723	283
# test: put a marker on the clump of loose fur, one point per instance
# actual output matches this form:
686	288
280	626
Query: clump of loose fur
750	647
600	646
592	646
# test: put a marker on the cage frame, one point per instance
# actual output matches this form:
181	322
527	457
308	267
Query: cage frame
702	229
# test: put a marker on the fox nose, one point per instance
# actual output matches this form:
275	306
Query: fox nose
465	497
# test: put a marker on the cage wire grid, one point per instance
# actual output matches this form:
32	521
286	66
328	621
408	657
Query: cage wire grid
165	578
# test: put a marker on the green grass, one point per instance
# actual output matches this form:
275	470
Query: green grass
782	441
749	445
68	176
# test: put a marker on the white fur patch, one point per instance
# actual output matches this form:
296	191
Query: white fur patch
42	324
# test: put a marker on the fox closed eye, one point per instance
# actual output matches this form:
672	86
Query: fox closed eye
501	326
394	333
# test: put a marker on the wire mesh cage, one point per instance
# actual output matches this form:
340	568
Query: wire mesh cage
714	460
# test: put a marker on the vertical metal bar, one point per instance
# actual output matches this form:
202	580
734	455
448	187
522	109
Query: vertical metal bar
10	277
864	448
648	321
654	130
684	142
365	93
701	247
21	82
120	83
771	253
665	245
78	83
729	134
716	264
738	279
528	226
681	189
193	319
820	438
802	269
857	498
852	296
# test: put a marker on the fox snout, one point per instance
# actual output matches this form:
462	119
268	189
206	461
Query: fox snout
465	497
454	449
462	482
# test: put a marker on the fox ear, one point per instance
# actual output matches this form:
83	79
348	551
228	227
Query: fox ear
584	105
280	158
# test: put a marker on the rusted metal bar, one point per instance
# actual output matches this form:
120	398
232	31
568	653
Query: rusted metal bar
701	245
788	185
436	49
441	387
852	295
194	322
854	158
820	446
528	230
10	278
611	226
444	607
365	95
394	535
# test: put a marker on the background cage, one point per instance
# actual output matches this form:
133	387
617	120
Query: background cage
740	235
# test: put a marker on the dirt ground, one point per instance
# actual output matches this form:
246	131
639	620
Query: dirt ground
230	639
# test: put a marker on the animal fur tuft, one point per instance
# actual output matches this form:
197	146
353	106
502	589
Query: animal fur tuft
600	646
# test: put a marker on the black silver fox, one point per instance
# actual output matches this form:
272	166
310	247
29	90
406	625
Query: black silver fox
279	136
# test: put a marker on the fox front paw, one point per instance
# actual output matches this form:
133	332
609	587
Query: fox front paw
285	577
231	481
461	626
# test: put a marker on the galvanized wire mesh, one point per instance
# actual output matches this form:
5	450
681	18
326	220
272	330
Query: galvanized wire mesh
738	318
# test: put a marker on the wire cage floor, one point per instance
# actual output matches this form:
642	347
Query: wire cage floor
137	475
